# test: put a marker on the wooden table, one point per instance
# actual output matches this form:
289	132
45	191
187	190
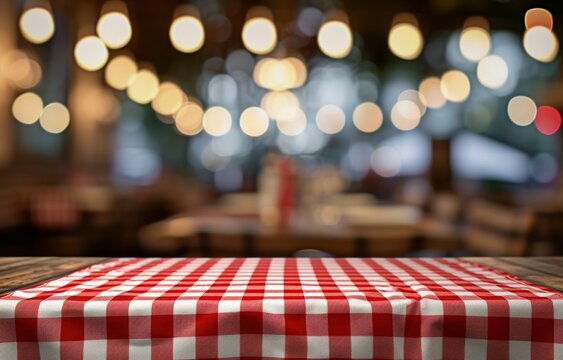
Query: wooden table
25	271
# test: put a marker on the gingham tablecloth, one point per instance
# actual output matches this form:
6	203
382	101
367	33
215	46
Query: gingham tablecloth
360	308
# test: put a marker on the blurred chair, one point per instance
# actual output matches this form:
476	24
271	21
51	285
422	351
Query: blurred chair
497	230
442	232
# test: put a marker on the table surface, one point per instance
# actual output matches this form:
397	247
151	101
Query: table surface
19	272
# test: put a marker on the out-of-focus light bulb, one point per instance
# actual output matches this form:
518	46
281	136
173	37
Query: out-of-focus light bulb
119	72
293	125
541	44
254	121
367	117
548	120
54	118
217	121
37	25
143	87
187	34
27	108
91	53
522	110
431	94
538	17
189	119
335	39
474	43
21	71
114	29
330	119
492	71
455	86
169	99
280	105
405	115
405	41
259	35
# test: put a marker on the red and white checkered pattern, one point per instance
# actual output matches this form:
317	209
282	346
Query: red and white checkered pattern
283	308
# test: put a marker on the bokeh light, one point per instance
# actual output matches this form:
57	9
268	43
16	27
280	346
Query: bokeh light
37	25
91	53
541	44
280	105
120	71
27	108
187	34
114	29
259	35
414	97
522	110
330	119
335	39
217	121
538	17
254	121
405	115
367	117
455	86
474	43
169	99
20	70
143	87
293	125
548	120
189	119
54	118
386	161
280	74
431	93
405	41
492	71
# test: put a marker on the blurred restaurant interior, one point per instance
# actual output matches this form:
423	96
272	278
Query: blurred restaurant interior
280	128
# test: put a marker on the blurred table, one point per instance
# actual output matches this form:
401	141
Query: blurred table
382	230
282	307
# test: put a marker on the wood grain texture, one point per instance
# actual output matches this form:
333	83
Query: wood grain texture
22	272
545	271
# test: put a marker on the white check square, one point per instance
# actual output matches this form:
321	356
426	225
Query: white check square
362	347
228	346
273	346
317	347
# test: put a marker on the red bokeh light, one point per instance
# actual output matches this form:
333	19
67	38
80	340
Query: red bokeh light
548	120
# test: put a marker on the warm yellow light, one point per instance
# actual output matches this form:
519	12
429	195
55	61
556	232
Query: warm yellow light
522	110
120	71
367	117
91	53
538	17
93	103
492	71
27	107
143	87
281	74
189	119
431	94
254	121
541	44
414	97
187	34
259	35
405	41
330	119
300	70
455	86
22	71
217	121
293	125
169	99
474	43
335	39
37	25
54	118
114	29
405	115
280	105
